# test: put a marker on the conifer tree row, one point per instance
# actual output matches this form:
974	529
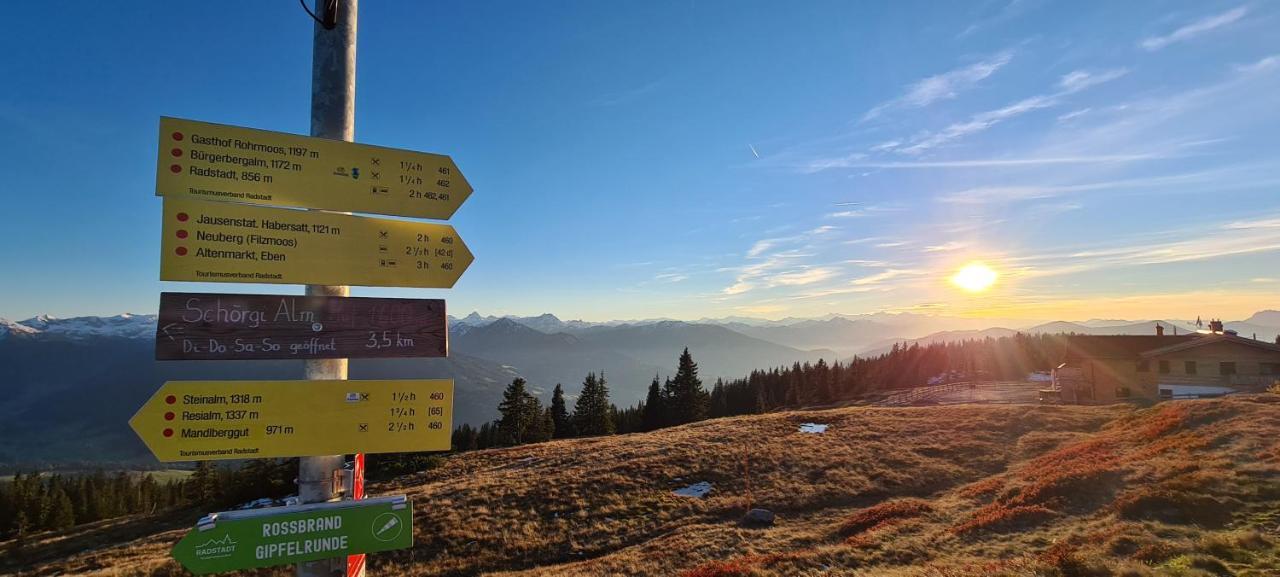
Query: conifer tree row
682	399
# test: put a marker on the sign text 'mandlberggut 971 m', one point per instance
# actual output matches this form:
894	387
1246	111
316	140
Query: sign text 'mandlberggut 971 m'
207	420
257	538
200	160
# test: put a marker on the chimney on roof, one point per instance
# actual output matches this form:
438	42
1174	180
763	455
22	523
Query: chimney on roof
1159	330
1215	326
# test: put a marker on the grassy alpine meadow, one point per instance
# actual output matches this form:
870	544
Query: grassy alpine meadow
1185	488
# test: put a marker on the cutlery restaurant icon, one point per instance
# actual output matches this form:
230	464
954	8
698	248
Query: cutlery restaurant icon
387	527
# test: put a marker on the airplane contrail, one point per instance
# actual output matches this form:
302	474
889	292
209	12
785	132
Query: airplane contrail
846	203
753	150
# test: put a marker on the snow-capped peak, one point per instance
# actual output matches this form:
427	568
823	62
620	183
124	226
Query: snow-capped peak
128	326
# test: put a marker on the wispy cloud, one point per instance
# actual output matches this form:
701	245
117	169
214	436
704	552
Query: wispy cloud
987	194
945	247
978	123
1254	224
1068	84
1078	80
778	261
1266	63
866	211
760	246
1194	29
1074	114
1008	11
1007	162
801	277
628	95
886	275
1184	245
943	86
883	281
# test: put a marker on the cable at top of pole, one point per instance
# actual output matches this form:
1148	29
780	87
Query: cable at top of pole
330	13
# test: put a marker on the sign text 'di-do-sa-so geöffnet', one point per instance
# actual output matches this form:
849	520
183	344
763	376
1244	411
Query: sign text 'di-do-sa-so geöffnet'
199	326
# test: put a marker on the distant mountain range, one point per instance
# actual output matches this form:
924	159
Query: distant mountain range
71	384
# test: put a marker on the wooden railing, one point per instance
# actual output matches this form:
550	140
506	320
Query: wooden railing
919	394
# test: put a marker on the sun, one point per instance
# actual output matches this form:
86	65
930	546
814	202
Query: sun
974	277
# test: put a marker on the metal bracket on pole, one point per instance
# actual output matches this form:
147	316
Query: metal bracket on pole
343	483
339	484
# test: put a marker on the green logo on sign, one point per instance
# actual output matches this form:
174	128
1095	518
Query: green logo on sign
216	548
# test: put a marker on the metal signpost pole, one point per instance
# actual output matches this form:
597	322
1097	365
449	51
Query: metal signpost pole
333	115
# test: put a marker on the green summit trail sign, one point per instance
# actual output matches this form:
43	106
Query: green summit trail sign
257	538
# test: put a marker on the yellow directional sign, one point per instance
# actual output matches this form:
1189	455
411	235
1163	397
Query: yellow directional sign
199	160
227	242
206	420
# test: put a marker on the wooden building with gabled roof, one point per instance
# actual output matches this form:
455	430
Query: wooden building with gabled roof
1104	369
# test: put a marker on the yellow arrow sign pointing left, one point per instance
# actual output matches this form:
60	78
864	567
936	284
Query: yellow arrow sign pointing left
209	420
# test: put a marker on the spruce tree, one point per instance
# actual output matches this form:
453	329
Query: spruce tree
687	400
61	514
544	426
655	407
591	413
563	425
516	418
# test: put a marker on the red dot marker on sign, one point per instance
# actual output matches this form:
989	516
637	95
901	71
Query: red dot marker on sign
168	432
171	399
169	416
182	234
182	251
177	136
182	217
176	152
175	169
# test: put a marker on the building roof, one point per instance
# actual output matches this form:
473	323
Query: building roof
1120	346
1209	339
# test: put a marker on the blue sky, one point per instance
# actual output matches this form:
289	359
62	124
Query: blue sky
689	159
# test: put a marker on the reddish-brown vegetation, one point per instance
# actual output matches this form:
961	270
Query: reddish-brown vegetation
985	487
737	567
883	515
957	491
1004	517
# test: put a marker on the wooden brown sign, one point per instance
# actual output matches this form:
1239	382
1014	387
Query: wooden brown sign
199	326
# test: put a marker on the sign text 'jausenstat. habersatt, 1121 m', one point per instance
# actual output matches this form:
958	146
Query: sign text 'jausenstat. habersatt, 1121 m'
228	242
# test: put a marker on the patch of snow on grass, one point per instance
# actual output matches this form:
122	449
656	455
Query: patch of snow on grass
813	428
698	490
